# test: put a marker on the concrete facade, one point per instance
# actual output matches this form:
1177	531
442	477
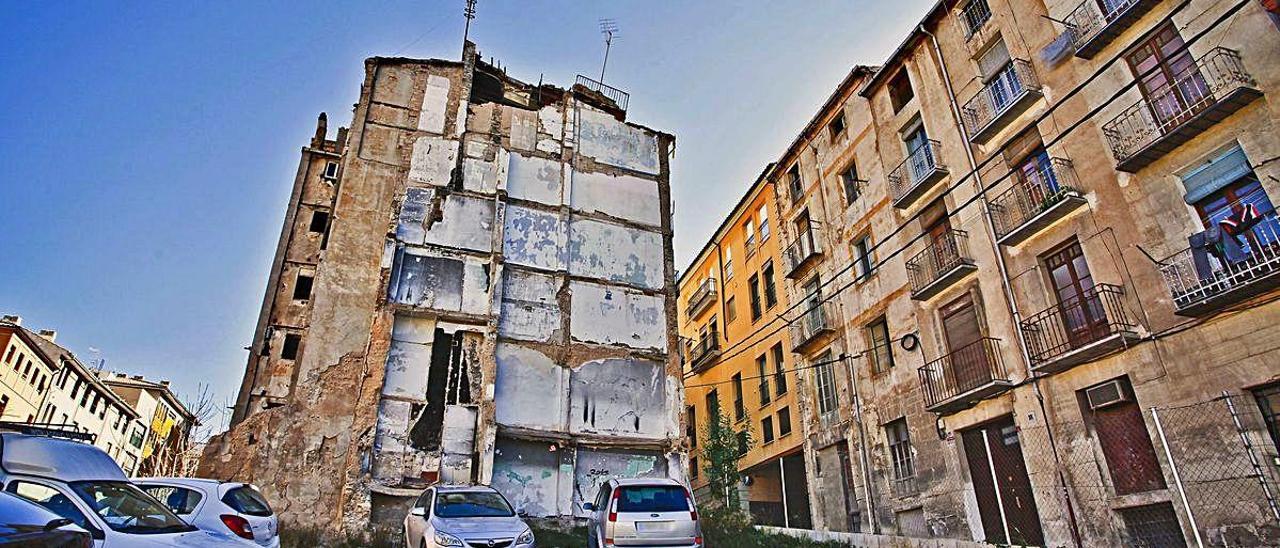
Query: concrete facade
484	307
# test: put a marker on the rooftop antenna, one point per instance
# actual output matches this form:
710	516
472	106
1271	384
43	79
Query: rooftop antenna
609	28
469	13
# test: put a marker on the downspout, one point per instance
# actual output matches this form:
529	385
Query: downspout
1006	282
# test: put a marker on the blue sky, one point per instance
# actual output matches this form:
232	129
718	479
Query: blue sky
148	148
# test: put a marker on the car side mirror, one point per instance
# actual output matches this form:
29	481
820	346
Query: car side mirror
56	523
418	511
590	507
522	513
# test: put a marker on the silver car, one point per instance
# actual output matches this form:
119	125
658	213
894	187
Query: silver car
464	516
643	512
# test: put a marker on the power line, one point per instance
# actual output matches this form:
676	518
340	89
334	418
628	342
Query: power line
842	358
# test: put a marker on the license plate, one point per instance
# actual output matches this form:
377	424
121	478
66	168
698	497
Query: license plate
653	526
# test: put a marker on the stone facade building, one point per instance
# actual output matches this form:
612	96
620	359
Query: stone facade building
492	301
1033	265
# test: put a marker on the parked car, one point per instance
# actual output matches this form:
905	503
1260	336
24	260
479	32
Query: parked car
464	516
80	482
219	506
643	512
23	523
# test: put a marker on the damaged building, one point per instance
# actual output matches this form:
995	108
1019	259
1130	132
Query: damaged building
488	297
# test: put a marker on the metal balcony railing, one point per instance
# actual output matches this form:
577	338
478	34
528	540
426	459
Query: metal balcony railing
1092	26
975	14
702	351
1092	317
1000	97
703	296
965	375
945	254
619	97
802	250
1204	279
815	321
1173	115
1033	194
921	167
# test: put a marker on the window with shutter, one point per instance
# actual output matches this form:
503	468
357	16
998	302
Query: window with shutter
993	60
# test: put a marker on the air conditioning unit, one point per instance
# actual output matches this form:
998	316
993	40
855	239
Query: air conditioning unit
1106	394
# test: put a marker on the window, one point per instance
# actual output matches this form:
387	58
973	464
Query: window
852	184
779	374
4	403
93	408
730	310
743	443
862	256
784	421
713	405
247	500
691	426
794	185
766	429
1168	77
749	236
728	263
974	14
331	170
8	358
770	291
754	288
900	449
17	364
319	221
40	384
302	286
135	439
1268	398
881	346
900	92
52	500
26	371
84	397
763	214
836	127
289	350
825	380
739	409
762	366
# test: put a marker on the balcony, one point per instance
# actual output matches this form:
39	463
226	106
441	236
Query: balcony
1036	200
916	174
1092	29
1202	282
702	298
1211	89
1081	330
802	252
1008	94
813	328
939	265
964	377
704	352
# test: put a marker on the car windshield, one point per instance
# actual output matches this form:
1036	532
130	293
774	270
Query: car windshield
652	498
126	509
472	504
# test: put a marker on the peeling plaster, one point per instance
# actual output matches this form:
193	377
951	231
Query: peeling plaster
618	396
615	253
534	238
616	316
608	141
434	100
625	197
432	161
530	389
535	179
596	466
467	223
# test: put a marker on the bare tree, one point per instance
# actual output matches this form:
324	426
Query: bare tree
178	454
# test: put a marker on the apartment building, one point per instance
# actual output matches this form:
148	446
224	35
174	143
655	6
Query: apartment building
1035	259
162	436
736	360
26	373
494	301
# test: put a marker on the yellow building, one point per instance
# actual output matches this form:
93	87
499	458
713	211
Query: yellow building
736	357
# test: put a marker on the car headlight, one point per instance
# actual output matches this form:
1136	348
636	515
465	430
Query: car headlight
526	537
445	539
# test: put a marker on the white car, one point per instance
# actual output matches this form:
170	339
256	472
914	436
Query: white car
82	483
464	516
218	506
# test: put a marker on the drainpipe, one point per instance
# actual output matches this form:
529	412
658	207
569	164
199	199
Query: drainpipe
1006	283
862	444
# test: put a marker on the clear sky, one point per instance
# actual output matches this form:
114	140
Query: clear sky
147	149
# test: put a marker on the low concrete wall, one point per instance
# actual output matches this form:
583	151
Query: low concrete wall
867	540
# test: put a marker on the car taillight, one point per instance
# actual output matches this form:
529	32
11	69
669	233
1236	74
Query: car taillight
693	510
237	525
613	506
697	540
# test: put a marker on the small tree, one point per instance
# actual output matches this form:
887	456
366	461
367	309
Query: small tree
722	451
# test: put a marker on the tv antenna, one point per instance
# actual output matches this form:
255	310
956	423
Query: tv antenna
469	12
609	28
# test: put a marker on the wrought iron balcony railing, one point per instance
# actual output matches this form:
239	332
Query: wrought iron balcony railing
802	251
1009	92
1092	26
964	376
941	263
1094	323
1036	199
702	352
619	97
913	176
702	298
1210	276
1208	90
815	322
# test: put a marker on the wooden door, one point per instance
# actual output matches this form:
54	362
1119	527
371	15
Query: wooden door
1083	318
1168	77
963	334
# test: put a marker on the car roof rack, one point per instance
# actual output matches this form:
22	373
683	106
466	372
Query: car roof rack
49	430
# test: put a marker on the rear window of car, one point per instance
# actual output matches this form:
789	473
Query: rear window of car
182	501
247	500
652	498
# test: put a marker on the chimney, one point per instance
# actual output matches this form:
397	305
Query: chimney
49	335
322	131
164	383
137	377
13	319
